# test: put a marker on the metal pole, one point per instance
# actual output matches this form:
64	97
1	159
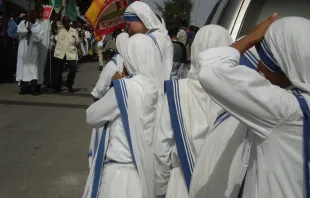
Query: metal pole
5	21
64	3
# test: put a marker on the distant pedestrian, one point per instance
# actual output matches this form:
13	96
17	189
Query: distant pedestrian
31	33
65	51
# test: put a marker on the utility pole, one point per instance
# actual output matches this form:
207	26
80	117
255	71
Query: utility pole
64	3
5	22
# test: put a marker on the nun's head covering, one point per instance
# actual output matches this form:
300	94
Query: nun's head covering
143	58
207	37
285	49
139	11
121	42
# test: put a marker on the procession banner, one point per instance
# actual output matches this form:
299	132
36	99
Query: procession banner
111	16
93	11
48	9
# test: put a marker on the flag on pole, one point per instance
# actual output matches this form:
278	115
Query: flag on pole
70	8
111	16
93	11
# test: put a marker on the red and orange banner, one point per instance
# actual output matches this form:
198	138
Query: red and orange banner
93	11
109	15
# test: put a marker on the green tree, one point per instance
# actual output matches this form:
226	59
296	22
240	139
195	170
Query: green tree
176	12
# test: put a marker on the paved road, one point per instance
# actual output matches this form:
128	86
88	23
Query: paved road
44	140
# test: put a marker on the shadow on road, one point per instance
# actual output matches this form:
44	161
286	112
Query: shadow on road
43	104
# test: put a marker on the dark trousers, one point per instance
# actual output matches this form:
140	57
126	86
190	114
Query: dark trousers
11	56
49	61
57	73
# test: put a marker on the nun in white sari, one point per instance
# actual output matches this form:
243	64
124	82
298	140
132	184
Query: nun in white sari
123	164
141	12
276	111
186	117
104	84
223	158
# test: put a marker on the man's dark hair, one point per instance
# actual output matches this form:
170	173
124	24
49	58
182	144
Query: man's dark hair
116	33
109	52
173	31
39	10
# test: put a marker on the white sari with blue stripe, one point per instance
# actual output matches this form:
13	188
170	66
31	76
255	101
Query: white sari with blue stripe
192	113
223	158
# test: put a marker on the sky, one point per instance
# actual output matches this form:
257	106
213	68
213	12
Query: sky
201	10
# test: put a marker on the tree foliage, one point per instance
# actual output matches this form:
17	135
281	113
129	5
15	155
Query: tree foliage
174	11
83	5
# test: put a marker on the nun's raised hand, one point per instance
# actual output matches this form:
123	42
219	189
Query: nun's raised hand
255	36
258	33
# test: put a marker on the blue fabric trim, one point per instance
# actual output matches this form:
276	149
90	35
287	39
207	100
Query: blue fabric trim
245	142
155	41
121	96
221	118
130	17
267	58
96	141
183	149
248	59
306	137
114	61
99	164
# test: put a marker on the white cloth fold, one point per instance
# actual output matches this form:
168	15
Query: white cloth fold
43	48
113	66
145	95
198	111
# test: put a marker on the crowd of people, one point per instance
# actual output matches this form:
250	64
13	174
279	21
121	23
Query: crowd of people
180	112
39	50
235	125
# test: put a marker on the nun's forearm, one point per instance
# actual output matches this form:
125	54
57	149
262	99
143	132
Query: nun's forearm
243	44
104	110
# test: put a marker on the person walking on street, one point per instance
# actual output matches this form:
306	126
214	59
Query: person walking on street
65	51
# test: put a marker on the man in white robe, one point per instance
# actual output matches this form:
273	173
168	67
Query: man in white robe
31	33
43	45
275	110
177	145
128	112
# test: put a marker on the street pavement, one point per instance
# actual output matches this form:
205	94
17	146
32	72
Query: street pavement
44	140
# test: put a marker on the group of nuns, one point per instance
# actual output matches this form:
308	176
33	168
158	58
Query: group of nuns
237	126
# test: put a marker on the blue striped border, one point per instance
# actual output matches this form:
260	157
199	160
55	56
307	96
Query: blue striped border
182	142
99	164
155	41
121	96
130	17
306	137
249	59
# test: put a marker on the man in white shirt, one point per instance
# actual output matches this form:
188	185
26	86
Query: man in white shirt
65	51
